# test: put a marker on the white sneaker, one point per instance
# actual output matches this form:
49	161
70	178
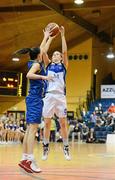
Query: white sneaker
66	153
45	152
35	167
32	166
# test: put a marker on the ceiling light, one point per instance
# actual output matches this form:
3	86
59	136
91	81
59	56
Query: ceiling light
95	71
110	54
4	79
79	2
15	59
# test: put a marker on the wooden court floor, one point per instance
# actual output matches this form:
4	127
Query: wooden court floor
89	162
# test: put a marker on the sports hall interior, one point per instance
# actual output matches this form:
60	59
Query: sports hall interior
89	32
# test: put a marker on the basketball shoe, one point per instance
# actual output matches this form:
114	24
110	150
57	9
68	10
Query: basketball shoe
29	166
66	153
23	165
45	151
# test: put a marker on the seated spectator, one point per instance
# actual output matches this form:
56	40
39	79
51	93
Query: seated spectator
98	124
100	109
96	110
110	122
4	117
92	120
111	109
84	132
77	131
83	114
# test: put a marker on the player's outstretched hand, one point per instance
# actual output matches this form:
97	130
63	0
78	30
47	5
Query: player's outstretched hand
62	30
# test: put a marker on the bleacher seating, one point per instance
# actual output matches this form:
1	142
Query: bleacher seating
105	104
101	134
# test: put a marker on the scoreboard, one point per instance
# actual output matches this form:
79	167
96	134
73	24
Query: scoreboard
13	84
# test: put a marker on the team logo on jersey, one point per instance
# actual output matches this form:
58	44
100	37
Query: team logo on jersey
56	76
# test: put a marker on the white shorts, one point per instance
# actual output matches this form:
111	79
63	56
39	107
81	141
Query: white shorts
54	103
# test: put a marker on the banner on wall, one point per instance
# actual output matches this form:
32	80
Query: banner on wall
107	91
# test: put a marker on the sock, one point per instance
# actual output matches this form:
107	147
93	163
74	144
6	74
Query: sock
46	141
65	142
30	157
24	156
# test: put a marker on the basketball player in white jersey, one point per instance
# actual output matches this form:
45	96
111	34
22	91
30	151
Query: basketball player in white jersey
55	97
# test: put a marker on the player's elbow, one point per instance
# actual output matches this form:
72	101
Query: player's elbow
29	76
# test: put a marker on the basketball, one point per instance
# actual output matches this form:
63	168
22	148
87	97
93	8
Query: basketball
53	28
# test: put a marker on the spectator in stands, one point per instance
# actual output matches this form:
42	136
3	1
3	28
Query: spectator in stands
111	109
100	109
22	126
83	114
77	131
92	120
110	123
84	132
91	125
98	124
4	117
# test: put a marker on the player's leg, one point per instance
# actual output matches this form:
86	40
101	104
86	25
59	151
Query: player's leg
24	158
46	138
28	161
64	133
24	155
33	118
61	112
31	163
48	112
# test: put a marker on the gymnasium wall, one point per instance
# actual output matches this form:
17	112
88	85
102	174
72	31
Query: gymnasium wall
111	68
79	75
11	103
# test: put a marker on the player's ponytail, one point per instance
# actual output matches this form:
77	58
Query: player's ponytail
33	52
22	51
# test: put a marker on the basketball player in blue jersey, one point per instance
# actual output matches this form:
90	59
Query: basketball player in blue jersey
34	105
55	97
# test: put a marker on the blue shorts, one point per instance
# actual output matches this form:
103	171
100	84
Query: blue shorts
34	105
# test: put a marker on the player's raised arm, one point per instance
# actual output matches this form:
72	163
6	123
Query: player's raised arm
64	47
46	48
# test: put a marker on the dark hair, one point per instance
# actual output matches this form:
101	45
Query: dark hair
33	52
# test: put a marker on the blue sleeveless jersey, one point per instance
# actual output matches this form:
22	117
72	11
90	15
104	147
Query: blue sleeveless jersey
36	86
34	102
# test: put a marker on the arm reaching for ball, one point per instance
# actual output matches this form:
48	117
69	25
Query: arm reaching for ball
64	47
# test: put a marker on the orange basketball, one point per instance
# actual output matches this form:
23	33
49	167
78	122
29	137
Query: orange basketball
53	28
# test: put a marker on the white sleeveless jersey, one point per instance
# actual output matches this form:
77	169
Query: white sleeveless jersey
57	85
